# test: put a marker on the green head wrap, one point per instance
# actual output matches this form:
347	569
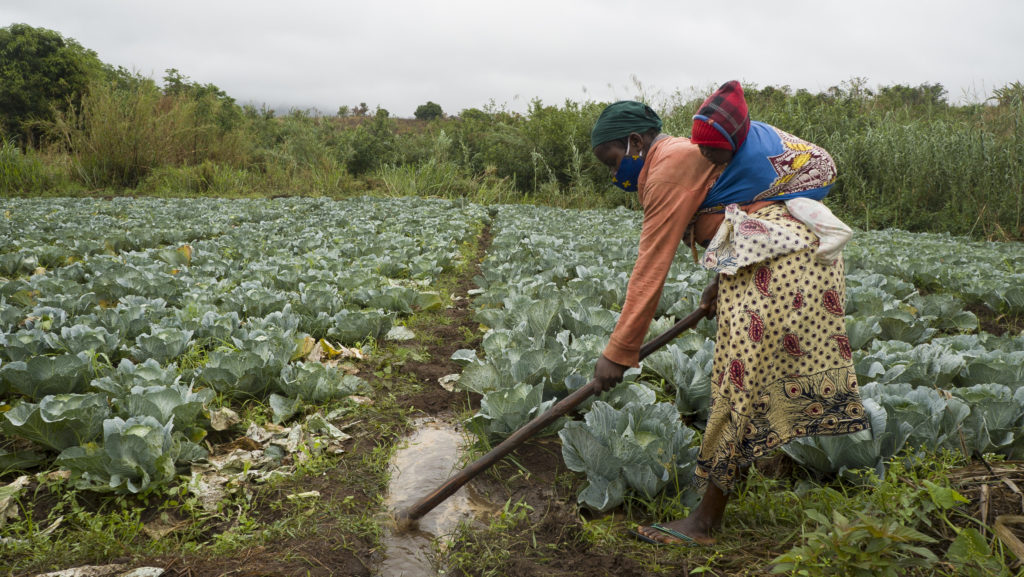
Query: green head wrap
621	119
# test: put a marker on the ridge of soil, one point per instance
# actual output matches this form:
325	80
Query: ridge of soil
441	341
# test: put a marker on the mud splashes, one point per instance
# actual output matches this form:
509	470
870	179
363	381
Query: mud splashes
425	461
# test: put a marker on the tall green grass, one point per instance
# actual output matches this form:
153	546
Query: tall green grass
906	157
944	173
25	172
204	179
439	175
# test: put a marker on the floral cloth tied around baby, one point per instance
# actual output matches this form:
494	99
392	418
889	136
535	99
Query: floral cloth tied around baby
743	240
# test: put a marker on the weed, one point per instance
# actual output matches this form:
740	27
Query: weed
862	547
489	552
72	530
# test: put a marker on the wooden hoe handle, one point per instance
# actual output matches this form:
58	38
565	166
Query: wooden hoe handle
426	504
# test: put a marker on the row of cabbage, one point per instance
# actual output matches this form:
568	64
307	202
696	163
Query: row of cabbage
49	234
549	291
989	274
112	360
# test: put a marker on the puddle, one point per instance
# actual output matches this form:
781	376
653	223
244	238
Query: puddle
422	463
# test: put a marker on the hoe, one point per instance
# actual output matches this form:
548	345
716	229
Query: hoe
406	518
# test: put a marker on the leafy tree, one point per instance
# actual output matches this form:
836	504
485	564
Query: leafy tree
923	95
855	89
211	102
768	96
177	84
428	111
123	79
40	70
372	143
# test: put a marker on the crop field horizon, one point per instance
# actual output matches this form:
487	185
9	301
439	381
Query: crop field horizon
190	382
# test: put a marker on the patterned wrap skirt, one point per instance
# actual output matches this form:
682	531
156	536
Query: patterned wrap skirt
783	368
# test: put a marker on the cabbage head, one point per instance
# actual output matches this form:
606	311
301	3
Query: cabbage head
636	450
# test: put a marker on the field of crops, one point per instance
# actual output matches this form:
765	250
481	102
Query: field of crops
131	329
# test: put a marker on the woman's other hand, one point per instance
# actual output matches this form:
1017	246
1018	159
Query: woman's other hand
608	373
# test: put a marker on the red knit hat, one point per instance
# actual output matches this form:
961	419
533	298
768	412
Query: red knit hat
722	121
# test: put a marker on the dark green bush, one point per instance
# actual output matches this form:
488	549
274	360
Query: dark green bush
428	111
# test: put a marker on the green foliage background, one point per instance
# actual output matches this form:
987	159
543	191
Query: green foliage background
71	125
40	69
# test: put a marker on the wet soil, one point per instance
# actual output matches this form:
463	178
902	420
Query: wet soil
550	540
432	399
425	460
333	551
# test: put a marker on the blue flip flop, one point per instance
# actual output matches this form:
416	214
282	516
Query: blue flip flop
643	538
685	540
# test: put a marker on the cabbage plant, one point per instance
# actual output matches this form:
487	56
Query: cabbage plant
516	357
81	338
687	371
994	424
161	344
844	454
636	450
40	376
163	403
58	421
1004	367
935	417
350	327
504	411
136	453
208	325
241	374
24	344
317	383
129	375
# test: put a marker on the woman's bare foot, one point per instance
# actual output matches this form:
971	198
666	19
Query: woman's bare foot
676	532
697	527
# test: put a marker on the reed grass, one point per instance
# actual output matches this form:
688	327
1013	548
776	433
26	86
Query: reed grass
25	172
121	134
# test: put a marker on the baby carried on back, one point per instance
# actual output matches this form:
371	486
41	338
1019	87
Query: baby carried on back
768	164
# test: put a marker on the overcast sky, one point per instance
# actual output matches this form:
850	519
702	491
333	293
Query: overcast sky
399	54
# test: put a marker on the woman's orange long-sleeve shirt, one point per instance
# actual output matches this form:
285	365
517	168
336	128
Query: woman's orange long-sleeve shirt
673	183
